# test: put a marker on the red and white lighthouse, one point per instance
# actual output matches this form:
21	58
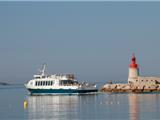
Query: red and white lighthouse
133	70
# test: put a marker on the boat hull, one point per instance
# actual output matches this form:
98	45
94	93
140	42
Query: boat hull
61	91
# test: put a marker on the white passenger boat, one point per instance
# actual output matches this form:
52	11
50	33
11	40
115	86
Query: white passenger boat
58	84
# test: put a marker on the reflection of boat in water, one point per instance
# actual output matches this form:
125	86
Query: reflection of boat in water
58	107
58	84
51	106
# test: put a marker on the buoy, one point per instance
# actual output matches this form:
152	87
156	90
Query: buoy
25	104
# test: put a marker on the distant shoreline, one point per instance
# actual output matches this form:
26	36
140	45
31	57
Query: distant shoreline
9	84
4	84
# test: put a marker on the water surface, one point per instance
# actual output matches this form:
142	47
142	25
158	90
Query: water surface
77	107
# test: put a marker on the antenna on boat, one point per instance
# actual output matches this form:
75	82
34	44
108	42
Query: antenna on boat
43	69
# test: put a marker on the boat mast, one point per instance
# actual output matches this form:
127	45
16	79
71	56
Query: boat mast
43	69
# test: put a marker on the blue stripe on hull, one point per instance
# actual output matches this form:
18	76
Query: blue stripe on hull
60	91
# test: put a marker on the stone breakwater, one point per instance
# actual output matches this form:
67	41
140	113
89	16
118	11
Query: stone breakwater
121	88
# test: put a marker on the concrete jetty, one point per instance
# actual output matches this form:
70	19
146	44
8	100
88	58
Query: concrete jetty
130	88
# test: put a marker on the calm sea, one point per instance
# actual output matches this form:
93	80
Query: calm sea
100	106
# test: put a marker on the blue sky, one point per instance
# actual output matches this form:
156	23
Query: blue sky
93	40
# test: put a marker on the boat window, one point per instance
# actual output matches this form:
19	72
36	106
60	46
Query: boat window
36	83
52	82
49	83
46	83
37	77
67	82
43	83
